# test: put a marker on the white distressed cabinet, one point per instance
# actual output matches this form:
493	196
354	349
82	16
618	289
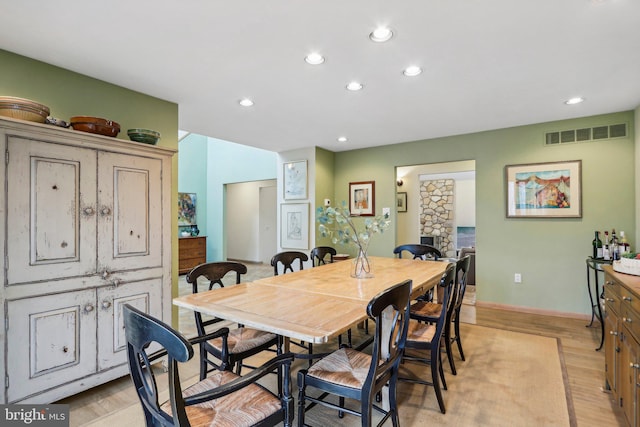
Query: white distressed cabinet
87	226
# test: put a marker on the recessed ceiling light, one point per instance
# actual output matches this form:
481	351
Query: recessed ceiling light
246	102
412	71
354	86
381	34
314	59
576	100
342	139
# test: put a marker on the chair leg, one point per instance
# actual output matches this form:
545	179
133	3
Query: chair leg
203	363
436	380
447	344
441	371
456	324
341	404
301	399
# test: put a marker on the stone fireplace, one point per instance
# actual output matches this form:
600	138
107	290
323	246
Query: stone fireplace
437	213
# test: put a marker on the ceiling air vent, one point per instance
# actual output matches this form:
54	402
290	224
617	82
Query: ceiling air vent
586	134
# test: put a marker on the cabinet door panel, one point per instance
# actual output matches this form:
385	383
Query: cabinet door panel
145	295
54	187
130	223
53	341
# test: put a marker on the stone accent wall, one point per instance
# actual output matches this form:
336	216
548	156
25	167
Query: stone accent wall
437	213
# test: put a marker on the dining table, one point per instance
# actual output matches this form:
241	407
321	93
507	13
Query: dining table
315	304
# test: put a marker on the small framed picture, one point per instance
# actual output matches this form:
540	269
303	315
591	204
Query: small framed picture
401	203
294	225
544	190
362	198
295	180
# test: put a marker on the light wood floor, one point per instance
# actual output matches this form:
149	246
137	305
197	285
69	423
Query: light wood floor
584	366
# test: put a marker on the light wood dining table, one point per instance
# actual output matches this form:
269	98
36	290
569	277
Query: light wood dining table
312	305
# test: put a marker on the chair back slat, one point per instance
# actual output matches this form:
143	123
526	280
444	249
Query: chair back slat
319	254
419	251
287	259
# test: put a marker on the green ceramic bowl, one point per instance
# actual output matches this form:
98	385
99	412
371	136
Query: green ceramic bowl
145	136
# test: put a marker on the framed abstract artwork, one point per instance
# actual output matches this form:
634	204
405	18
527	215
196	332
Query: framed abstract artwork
186	209
294	225
295	180
544	190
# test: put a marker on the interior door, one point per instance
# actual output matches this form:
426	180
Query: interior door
268	229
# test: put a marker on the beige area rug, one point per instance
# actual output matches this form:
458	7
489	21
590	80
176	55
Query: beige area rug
508	379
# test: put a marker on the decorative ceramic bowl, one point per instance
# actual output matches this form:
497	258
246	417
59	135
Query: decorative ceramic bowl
23	109
95	125
145	136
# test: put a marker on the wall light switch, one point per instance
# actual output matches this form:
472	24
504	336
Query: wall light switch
517	278
386	211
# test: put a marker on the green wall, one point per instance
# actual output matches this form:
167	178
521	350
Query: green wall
69	94
549	253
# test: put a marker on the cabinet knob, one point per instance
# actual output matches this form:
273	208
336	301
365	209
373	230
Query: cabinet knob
626	319
65	349
634	365
608	282
88	211
614	333
115	282
627	298
106	304
610	300
105	274
105	211
88	308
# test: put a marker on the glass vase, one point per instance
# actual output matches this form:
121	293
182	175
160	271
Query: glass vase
361	267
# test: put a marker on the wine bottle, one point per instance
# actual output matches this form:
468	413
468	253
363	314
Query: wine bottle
614	247
597	246
624	244
605	247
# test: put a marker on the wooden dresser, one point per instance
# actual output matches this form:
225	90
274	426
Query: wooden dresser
622	341
191	252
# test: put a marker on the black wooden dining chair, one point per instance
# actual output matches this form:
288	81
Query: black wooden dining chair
223	398
424	336
352	374
241	342
431	311
319	254
287	259
419	251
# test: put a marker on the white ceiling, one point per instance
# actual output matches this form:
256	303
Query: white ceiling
487	64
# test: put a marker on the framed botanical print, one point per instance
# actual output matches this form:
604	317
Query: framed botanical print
294	225
295	180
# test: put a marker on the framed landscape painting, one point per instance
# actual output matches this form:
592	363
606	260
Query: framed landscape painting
544	190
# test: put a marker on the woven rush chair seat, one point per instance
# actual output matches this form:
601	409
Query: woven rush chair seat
345	366
241	340
245	407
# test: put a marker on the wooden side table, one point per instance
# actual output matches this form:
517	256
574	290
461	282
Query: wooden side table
192	251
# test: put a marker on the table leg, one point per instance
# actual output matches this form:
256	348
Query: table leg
599	311
590	293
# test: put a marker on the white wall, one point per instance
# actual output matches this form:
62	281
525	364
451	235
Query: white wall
243	225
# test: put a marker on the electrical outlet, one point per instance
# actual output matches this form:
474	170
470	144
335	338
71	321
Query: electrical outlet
517	278
327	202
